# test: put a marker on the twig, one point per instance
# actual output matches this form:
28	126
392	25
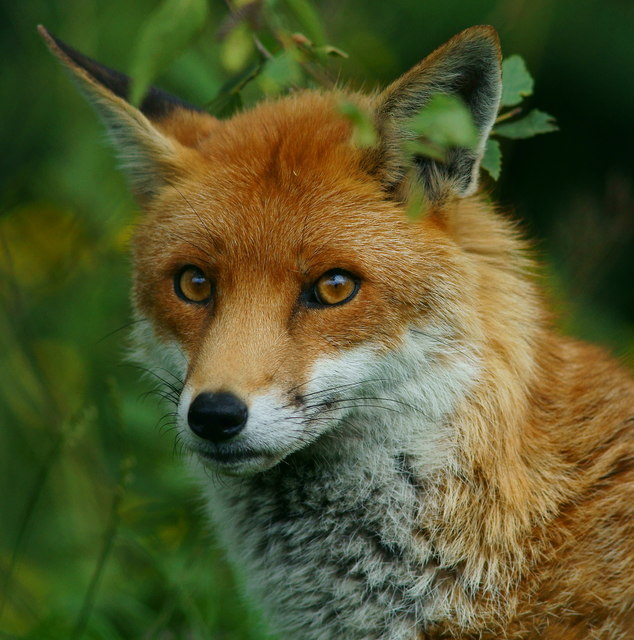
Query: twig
261	48
508	115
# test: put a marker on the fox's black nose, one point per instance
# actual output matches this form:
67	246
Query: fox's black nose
217	416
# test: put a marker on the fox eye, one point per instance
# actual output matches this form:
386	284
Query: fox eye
335	287
192	285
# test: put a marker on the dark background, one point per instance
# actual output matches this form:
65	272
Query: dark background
100	528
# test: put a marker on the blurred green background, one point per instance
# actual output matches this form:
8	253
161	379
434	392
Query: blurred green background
101	531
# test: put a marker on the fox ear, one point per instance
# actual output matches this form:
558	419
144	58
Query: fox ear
467	66
154	140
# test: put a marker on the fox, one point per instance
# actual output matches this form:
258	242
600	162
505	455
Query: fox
392	440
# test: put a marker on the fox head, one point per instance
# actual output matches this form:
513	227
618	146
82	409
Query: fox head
278	277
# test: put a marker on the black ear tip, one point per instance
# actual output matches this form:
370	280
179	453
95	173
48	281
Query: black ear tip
155	104
483	35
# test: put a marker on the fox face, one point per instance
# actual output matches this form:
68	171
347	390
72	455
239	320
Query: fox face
303	309
283	295
276	269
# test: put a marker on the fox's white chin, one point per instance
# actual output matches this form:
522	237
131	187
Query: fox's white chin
243	464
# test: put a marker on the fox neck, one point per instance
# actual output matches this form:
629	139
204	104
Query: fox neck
348	533
336	536
400	491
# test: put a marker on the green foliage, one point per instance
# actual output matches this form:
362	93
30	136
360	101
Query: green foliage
517	84
444	123
229	98
492	158
532	124
280	72
260	43
364	133
238	48
166	34
87	549
308	19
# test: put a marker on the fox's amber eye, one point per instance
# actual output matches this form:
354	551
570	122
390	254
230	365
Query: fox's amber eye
335	287
192	285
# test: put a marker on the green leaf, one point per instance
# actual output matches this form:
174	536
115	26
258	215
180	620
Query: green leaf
363	130
534	123
445	122
237	48
238	81
167	32
280	73
228	100
308	18
517	82
492	159
417	203
225	105
422	148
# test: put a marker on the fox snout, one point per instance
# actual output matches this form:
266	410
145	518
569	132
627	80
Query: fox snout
217	417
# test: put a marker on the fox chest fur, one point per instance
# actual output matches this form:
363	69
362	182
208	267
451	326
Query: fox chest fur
393	441
332	551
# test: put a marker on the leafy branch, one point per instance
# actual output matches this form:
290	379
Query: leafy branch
281	46
517	84
286	58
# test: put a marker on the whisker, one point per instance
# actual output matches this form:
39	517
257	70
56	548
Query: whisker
345	386
167	383
356	406
198	248
171	373
158	392
189	204
121	328
330	389
373	398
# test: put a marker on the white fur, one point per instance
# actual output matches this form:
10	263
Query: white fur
159	356
326	539
325	520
